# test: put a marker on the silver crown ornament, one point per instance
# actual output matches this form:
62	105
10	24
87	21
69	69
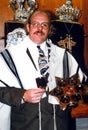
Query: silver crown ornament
22	9
68	12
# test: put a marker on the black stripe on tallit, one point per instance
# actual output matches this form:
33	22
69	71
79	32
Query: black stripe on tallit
9	61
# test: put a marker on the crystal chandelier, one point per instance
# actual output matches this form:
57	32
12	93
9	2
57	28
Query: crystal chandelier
67	12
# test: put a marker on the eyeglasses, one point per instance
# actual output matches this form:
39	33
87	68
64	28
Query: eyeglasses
44	25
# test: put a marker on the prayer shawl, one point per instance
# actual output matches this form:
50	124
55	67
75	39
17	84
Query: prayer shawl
28	73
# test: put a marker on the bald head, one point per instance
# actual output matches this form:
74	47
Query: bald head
37	12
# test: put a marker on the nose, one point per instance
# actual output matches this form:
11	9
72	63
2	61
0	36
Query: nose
40	27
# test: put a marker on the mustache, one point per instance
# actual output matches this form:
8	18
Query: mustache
39	32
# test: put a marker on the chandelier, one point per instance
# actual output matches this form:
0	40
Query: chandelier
67	12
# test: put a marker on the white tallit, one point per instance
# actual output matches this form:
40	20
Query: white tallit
27	74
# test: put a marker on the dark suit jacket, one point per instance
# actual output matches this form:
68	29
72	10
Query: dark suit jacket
11	96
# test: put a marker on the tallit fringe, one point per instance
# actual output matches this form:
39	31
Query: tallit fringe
40	116
54	117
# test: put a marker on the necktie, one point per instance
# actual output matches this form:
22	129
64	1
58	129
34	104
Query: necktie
43	66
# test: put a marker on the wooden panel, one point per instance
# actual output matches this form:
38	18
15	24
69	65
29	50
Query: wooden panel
5	14
50	4
80	111
85	18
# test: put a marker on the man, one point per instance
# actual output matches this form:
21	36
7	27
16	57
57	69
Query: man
31	109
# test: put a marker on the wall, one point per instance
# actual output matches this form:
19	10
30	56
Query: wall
5	14
85	22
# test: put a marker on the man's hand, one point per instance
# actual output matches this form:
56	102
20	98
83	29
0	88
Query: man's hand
33	95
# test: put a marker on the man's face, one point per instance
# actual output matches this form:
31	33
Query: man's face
39	28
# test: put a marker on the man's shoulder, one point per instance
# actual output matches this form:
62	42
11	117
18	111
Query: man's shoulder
57	49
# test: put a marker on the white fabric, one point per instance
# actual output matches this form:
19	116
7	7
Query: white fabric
16	36
28	73
5	109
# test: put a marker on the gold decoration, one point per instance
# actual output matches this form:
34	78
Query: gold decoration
67	43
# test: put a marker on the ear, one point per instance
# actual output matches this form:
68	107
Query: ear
27	27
